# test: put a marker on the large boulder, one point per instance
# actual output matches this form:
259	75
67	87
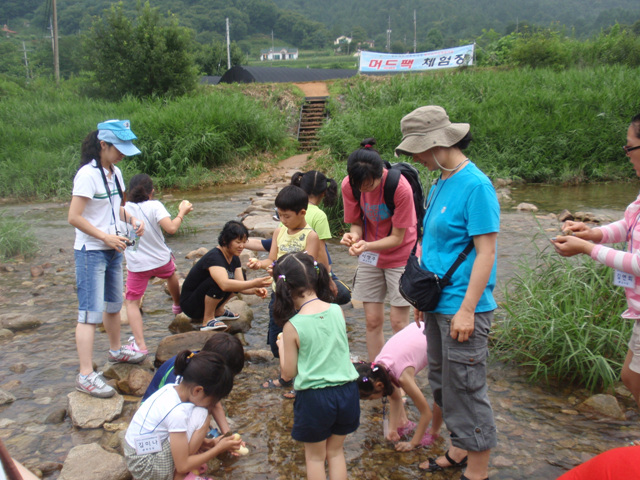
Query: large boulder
174	344
91	412
181	324
6	397
121	371
242	324
17	322
252	220
136	382
602	405
92	462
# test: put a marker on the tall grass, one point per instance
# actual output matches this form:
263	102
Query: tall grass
563	321
538	125
15	238
183	140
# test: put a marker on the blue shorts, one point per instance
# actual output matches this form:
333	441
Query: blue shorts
99	283
319	413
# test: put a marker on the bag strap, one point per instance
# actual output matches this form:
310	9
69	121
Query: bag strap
461	258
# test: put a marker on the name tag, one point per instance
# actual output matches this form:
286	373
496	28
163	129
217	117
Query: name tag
370	258
622	279
148	444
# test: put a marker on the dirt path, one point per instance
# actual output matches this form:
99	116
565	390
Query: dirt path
282	171
313	89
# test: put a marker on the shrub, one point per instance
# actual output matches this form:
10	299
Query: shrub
15	238
562	321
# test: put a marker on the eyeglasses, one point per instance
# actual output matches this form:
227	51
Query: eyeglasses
628	149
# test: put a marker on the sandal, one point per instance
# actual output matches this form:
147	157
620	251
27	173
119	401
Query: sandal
428	439
283	383
434	467
290	395
408	428
227	315
214	325
463	477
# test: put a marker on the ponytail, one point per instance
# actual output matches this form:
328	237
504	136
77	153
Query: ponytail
368	374
206	369
316	183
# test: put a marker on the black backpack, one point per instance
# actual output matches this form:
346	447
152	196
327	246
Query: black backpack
393	177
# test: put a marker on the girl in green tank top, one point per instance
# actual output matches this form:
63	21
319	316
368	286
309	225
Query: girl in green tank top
315	350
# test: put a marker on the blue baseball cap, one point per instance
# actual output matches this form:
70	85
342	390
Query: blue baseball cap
118	133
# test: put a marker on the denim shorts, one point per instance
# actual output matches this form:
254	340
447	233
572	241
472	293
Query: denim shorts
99	283
319	413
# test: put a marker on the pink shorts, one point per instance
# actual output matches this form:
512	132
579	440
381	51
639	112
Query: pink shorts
137	281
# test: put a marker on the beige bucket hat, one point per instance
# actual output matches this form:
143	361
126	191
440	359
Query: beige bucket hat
428	127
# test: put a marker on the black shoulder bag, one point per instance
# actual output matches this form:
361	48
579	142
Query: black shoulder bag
422	288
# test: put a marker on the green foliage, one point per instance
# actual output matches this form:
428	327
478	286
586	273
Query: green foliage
183	140
212	58
15	238
563	321
542	49
539	125
143	58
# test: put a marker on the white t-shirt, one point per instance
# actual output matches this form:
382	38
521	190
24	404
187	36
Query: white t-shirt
164	413
152	252
99	211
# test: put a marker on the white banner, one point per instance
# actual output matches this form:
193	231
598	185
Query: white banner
414	62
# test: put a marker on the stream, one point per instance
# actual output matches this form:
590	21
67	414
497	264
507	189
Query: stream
541	434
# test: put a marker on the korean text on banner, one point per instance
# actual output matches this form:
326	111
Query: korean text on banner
413	62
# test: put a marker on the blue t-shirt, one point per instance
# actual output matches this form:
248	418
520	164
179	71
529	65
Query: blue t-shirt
163	376
462	206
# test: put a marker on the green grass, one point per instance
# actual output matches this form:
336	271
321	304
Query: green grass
538	125
184	141
15	238
562	321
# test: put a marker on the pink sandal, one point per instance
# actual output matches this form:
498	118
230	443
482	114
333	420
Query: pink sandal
428	439
408	428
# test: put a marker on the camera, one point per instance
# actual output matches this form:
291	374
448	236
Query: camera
129	243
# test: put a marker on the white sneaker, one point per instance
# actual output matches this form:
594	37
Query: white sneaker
126	355
95	385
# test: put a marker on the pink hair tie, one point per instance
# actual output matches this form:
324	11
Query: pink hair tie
367	146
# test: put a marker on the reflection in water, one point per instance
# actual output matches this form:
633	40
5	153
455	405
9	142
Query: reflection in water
540	432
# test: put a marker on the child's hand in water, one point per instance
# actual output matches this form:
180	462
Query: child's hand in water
393	436
229	443
404	447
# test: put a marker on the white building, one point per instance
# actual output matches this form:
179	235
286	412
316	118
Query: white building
280	53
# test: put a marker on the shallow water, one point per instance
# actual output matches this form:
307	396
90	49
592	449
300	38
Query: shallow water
540	433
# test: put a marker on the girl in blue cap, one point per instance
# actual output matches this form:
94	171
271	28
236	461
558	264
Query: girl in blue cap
102	226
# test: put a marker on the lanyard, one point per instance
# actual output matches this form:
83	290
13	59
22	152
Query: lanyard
160	422
108	191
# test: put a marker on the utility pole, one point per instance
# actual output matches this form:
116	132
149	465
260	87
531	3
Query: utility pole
26	61
228	48
56	58
272	45
389	36
415	42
